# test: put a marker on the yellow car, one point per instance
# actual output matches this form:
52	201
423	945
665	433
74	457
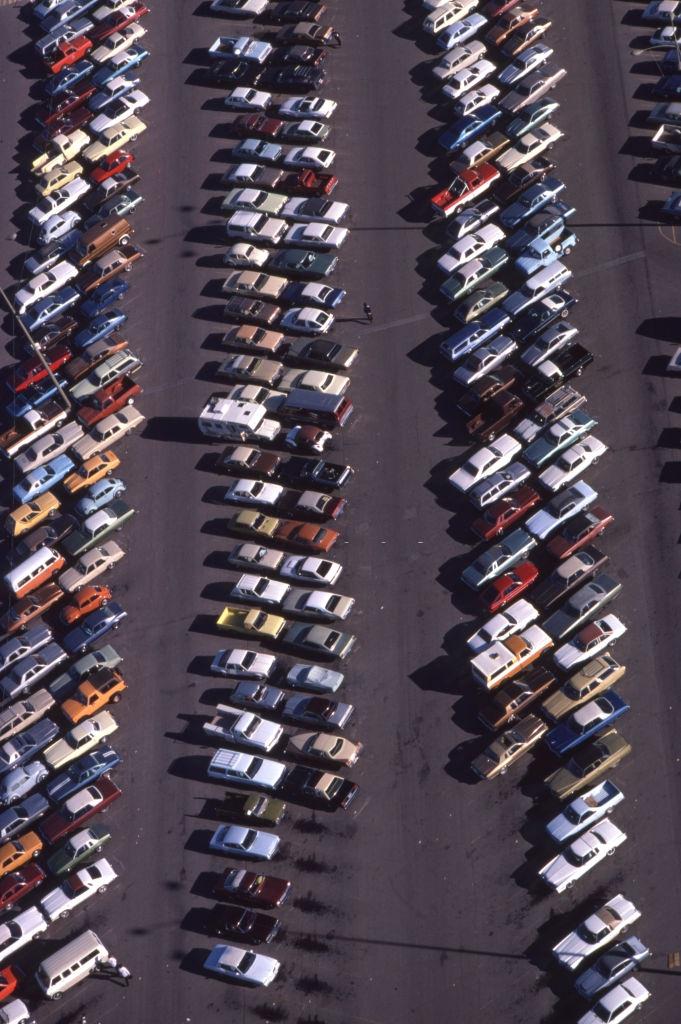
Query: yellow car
59	177
253	523
91	471
251	622
18	852
80	739
113	138
31	513
60	150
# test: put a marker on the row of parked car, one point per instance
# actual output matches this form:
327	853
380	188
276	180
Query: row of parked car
286	396
69	403
541	659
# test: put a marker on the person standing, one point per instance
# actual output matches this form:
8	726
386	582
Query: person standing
368	313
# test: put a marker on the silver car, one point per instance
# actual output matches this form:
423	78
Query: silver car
498	484
244	842
21	781
611	967
314	677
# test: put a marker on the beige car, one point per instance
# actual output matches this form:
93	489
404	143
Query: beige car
249	338
108	431
531	145
80	739
48	447
509	747
117	43
594	678
314	380
251	370
23	713
60	150
91	565
324	748
57	178
254	283
113	138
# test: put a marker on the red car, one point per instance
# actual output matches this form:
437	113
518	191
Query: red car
112	164
108	400
310	183
468	185
133	12
495	8
32	370
18	884
578	531
69	51
73	99
507	587
257	124
79	808
249	887
68	123
9	979
305	535
498	516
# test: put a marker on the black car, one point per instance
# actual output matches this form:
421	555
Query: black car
48	534
234	72
568	363
244	925
52	333
522	177
571	573
299	55
303	472
294	11
323	354
16	819
299	78
319	788
303	262
667	168
540	316
668	88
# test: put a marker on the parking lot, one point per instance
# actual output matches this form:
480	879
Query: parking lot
417	902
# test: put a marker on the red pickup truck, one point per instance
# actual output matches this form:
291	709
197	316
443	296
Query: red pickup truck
68	52
465	187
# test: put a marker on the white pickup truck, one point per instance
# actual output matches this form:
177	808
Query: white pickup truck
31	426
77	888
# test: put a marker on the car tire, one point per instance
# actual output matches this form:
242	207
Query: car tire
116	698
564	314
610	852
103	888
65	913
36	853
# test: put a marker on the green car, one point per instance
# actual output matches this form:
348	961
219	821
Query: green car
250	807
303	262
460	284
77	848
480	301
96	527
532	116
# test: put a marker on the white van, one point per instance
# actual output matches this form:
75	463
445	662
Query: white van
70	964
35	570
536	287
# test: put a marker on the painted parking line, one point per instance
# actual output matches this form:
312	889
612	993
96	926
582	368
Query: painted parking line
611	264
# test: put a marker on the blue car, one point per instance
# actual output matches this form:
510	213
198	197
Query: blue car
541	253
98	495
101	99
34	397
18	818
317	294
27	744
547	224
470	337
51	306
533	199
82	772
101	327
94	626
134	56
585	722
66	79
40	480
103	297
469	127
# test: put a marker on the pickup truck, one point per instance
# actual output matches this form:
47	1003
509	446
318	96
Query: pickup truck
32	425
494	415
309	183
59	150
482	390
244	47
560	402
465	187
568	363
115	262
667	138
67	52
542	253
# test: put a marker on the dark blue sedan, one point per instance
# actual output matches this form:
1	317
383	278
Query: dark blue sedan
101	327
103	297
66	79
467	128
300	292
585	722
93	627
82	772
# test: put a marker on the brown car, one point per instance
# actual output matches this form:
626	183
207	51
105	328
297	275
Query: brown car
80	366
251	888
113	263
509	747
244	459
248	338
511	698
78	809
107	400
252	309
307	32
593	679
305	535
493	416
23	611
484	389
510	23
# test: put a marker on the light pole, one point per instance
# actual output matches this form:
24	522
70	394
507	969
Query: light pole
27	334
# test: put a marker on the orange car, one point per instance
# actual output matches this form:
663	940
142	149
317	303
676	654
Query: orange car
19	851
103	687
92	470
510	23
27	608
305	535
87	600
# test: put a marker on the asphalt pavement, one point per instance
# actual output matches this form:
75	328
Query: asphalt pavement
417	903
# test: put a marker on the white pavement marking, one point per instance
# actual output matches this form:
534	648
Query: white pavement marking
609	264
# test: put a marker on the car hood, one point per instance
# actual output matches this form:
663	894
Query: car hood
485	766
560	738
557	872
572	950
560	829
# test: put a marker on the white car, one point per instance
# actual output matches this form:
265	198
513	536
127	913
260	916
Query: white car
313	157
467	78
249	769
551	341
77	888
315	678
595	932
316	235
244	98
617	1004
473	99
582	854
59	201
485	461
502	625
48	447
243	727
244	842
117	43
242	965
459	57
125	106
309	106
470	247
528	60
18	929
244	255
562	507
572	462
662	12
326	211
44	284
253	492
239	8
80	739
240	663
318	604
531	145
315	380
307	320
591	639
57	226
484	359
321	571
584	811
259	589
